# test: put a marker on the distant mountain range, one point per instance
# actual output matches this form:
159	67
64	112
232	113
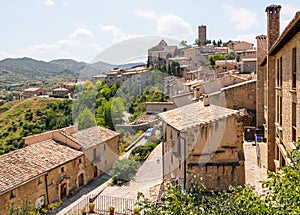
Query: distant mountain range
27	70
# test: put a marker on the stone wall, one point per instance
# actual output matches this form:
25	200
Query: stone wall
237	96
210	149
106	155
289	96
159	107
36	188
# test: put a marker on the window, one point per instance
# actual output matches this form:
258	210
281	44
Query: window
294	125
104	147
294	63
12	194
62	169
40	181
94	154
79	161
279	110
279	72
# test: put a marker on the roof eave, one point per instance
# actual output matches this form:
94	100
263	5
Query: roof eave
289	32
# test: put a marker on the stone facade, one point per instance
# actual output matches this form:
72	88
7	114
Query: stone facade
158	54
42	173
202	34
287	95
279	71
237	96
225	66
195	141
159	107
30	92
260	74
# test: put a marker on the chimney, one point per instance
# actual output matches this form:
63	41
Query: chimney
261	43
273	28
206	100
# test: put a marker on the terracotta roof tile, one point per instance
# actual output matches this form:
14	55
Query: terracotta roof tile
194	115
90	137
25	164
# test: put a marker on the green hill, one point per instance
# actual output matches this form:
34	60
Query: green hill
31	116
23	71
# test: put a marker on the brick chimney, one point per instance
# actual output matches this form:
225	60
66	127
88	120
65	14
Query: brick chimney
273	28
206	101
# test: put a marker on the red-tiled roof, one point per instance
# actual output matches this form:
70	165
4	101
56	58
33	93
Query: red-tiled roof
25	164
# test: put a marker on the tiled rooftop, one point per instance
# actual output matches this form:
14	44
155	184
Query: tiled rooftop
194	115
25	164
90	137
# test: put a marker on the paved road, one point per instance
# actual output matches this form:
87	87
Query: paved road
148	175
142	141
254	174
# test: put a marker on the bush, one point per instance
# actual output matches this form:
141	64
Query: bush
124	170
141	153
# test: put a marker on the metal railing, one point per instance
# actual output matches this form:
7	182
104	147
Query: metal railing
102	204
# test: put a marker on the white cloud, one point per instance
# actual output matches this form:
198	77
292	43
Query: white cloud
49	2
171	25
167	25
116	31
80	33
64	48
4	55
244	19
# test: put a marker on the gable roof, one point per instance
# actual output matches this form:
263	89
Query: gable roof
93	136
195	114
23	165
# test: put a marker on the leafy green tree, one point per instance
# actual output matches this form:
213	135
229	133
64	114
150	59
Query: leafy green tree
124	169
281	196
212	59
85	119
230	56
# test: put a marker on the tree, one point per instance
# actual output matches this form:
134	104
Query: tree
85	119
124	169
281	196
212	59
230	56
184	44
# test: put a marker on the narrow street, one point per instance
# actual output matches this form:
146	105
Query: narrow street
254	173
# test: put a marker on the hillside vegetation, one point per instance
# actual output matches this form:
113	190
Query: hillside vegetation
31	116
26	71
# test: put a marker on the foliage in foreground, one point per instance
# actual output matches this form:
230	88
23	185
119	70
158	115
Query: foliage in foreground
282	196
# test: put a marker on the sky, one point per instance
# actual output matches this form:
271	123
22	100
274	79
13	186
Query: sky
83	29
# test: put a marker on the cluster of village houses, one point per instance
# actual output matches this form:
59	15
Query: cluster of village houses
202	125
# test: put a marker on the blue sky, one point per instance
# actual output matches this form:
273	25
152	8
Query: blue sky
81	29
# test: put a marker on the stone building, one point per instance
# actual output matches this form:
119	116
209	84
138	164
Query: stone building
42	173
205	141
248	65
236	96
202	34
278	108
225	66
99	144
158	54
60	92
159	107
33	91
